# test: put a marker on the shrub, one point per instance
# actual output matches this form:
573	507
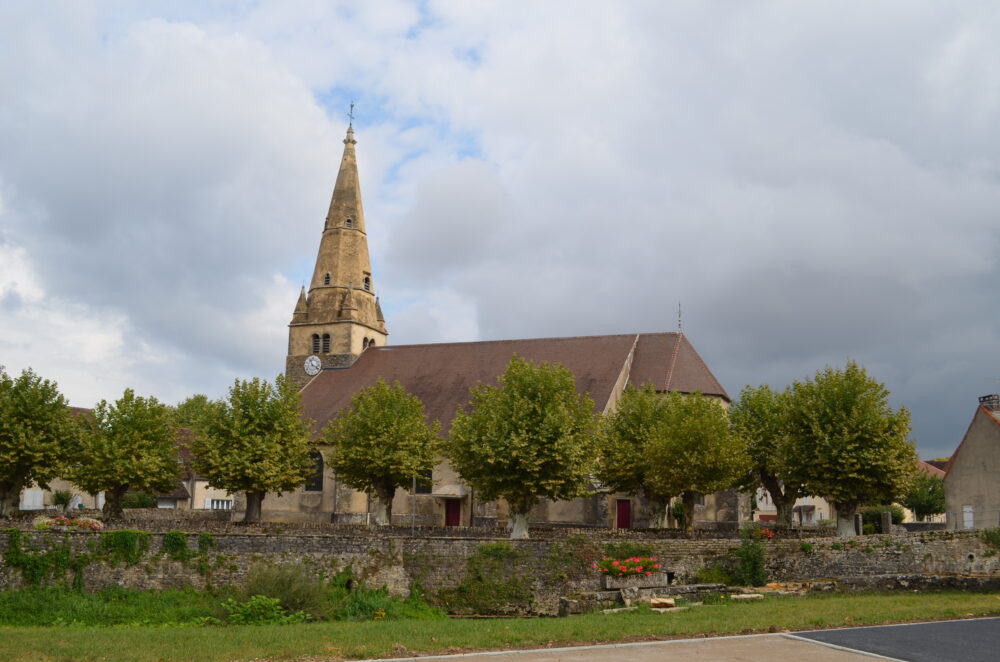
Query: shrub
635	566
806	548
62	498
751	556
627	548
493	584
291	584
139	500
868	529
873	515
350	601
259	610
991	537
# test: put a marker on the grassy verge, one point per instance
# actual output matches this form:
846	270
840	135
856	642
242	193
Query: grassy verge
388	638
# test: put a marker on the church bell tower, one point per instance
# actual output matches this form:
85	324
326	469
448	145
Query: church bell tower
340	316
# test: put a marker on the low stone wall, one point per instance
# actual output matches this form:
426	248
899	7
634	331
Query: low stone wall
554	567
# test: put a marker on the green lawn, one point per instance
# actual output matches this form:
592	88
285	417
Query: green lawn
349	640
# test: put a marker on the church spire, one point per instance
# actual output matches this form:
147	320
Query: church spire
341	317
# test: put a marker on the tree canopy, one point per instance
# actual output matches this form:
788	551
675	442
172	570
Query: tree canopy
37	434
128	444
925	496
531	437
693	451
844	441
381	442
255	441
760	418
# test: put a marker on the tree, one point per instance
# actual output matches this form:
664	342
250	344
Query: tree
256	441
531	437
759	418
624	455
126	445
925	496
692	451
191	412
844	442
381	442
37	434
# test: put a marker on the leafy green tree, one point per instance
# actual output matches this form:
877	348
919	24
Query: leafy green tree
844	442
128	444
37	434
381	442
625	437
256	441
693	451
925	496
191	412
759	418
531	437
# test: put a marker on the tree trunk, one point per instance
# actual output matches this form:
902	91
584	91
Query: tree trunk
845	520
783	503
10	498
657	507
113	510
518	526
254	502
687	498
384	495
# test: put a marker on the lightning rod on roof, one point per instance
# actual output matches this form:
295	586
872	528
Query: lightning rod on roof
680	328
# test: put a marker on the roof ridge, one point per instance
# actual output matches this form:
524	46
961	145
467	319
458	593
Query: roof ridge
507	340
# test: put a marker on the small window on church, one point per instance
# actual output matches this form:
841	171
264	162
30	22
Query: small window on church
349	223
368	284
315	343
315	481
326	343
326	279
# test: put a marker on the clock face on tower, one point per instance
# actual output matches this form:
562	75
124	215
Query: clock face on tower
313	365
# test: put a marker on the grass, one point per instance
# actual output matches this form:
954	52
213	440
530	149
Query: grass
383	638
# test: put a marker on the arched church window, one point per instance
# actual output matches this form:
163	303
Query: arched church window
366	344
368	284
326	343
315	343
315	481
326	279
349	223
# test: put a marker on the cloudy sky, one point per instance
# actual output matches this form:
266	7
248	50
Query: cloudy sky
812	181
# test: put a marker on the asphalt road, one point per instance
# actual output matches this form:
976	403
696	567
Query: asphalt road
976	640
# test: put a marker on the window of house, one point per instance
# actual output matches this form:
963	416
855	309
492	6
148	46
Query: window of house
220	504
368	284
699	499
315	481
425	482
326	343
315	343
326	279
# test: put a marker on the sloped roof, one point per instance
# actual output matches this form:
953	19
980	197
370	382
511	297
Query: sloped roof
442	374
929	469
980	411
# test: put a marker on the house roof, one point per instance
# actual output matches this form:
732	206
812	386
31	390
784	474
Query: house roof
929	469
980	411
442	374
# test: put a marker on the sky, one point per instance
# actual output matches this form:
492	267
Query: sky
811	182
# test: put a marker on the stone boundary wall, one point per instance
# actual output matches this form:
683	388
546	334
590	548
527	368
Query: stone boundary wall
556	567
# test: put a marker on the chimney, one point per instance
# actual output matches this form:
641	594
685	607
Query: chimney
991	402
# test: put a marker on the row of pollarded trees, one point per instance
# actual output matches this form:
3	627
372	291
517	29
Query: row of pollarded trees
533	436
254	441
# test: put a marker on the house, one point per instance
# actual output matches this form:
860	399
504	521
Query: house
338	344
972	476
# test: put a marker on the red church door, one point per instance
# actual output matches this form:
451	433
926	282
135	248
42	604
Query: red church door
623	511
452	512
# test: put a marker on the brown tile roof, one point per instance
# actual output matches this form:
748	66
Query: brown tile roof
442	374
929	469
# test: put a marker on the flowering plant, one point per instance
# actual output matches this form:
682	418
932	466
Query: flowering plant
63	522
767	533
635	566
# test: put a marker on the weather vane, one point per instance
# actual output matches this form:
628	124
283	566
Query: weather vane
350	115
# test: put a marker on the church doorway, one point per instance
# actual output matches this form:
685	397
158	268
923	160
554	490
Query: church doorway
623	514
452	512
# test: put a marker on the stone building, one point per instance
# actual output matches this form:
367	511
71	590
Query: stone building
972	475
337	346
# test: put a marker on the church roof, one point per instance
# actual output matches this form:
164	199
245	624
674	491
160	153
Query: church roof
442	374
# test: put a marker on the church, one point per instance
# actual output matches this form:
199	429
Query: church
338	345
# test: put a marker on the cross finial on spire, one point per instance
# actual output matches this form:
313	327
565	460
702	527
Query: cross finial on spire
350	116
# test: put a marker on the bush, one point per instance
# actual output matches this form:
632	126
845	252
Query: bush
139	500
713	574
991	537
292	585
868	529
350	601
260	610
873	515
806	548
751	557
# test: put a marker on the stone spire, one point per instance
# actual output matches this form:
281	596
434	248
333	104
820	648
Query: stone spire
341	282
301	313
